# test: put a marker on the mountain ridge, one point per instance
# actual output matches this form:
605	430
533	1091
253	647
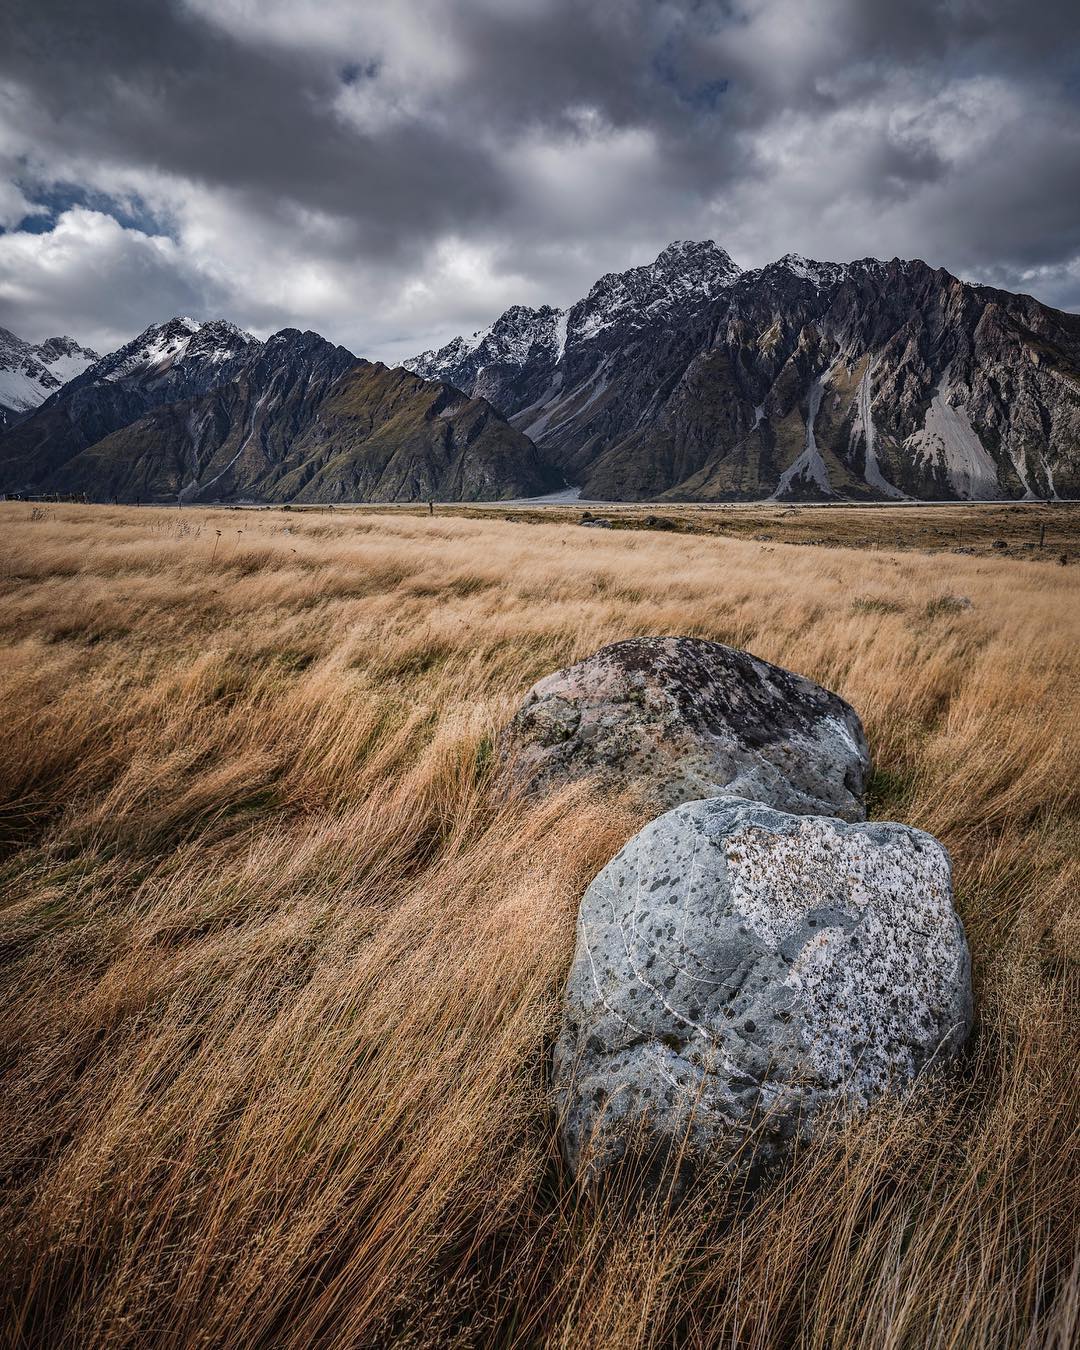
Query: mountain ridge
929	387
165	363
687	378
191	411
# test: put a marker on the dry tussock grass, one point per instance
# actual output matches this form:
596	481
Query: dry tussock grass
282	962
1032	530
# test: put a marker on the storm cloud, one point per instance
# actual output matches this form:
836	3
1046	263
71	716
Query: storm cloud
393	172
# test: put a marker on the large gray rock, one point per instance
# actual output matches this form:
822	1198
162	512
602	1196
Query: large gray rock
681	718
739	971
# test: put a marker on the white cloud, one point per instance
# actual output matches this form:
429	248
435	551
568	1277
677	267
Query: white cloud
55	282
393	172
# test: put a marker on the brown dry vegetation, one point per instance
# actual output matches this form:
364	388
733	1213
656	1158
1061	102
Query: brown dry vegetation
282	961
1041	531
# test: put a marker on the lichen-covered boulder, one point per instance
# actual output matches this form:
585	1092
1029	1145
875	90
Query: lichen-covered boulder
680	718
739	971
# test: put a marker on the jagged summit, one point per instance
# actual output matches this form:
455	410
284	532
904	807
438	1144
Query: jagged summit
809	269
701	259
296	339
55	351
29	374
180	339
683	274
691	378
680	249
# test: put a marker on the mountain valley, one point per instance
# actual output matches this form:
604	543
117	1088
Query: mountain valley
688	379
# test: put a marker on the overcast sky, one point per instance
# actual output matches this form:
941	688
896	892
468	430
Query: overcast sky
393	172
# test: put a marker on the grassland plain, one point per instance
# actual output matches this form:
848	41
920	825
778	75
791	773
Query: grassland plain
1042	531
282	956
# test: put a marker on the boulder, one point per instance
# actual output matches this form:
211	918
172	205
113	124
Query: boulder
680	718
741	973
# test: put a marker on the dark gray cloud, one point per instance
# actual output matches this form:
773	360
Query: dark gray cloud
395	171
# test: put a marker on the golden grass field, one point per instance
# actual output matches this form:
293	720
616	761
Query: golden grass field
282	956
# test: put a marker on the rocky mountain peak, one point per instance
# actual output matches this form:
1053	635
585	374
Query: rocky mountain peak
703	254
30	374
688	377
683	272
686	273
181	339
293	353
800	268
221	330
56	349
520	328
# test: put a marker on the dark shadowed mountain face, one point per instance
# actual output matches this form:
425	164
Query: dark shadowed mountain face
691	379
170	362
219	444
193	413
388	435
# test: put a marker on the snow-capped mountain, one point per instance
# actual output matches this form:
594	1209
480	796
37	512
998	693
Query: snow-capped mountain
182	342
29	374
692	379
512	362
517	337
686	378
169	362
204	412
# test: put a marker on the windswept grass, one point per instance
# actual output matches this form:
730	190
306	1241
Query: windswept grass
282	960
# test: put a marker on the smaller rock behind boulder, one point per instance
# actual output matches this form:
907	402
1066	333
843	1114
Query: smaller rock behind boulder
678	718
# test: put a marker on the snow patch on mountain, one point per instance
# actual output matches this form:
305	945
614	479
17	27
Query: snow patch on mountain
562	324
154	349
457	350
24	384
64	358
591	325
29	374
806	269
519	335
160	346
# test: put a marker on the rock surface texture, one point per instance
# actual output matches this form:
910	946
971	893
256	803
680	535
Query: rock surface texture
680	718
739	970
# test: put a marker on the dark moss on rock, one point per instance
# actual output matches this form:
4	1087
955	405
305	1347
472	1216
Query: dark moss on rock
678	718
